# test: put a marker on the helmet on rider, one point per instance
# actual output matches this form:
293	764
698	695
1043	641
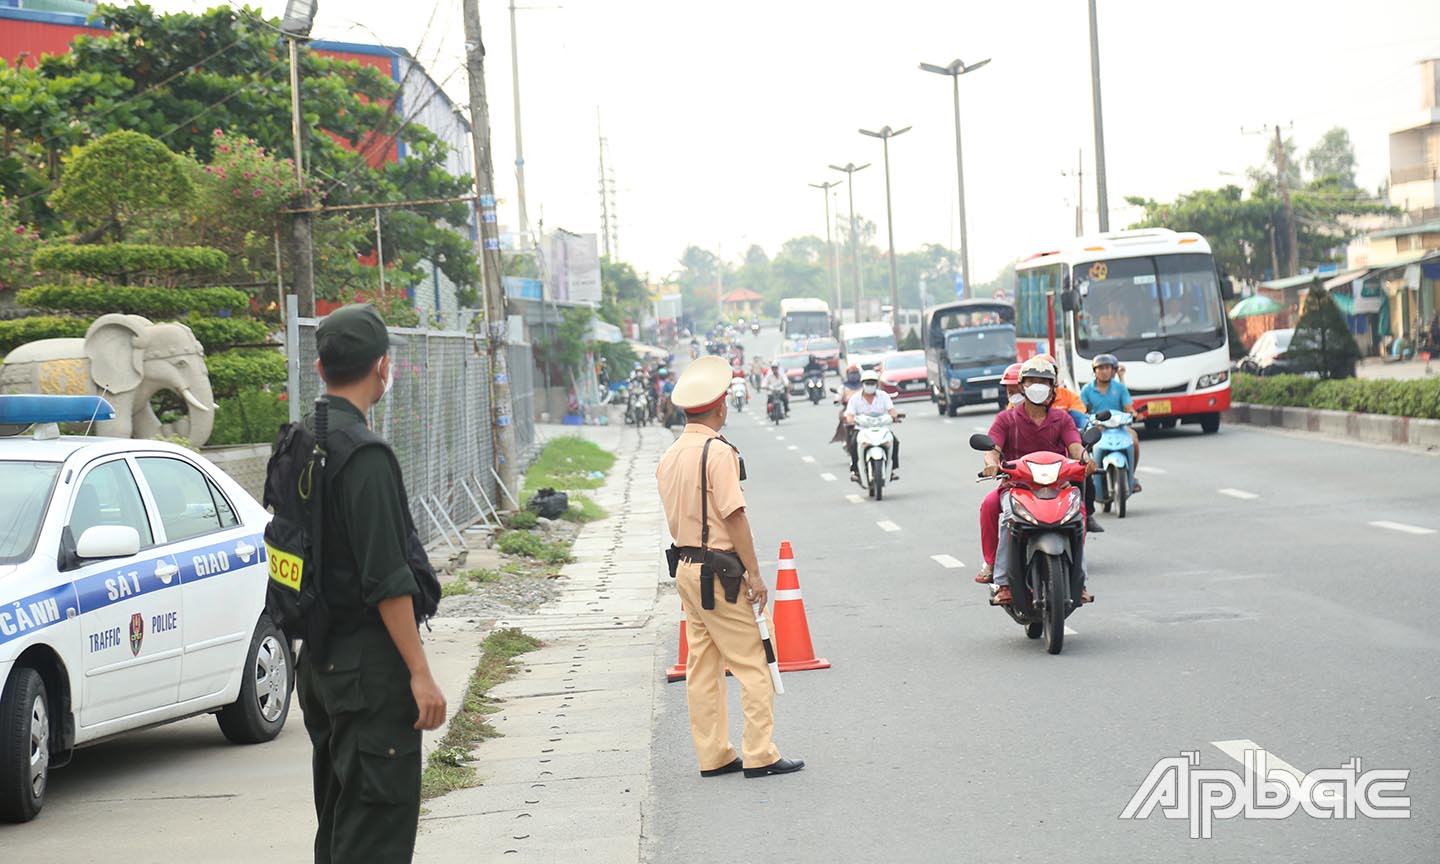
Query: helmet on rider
1037	381
870	376
1011	378
662	372
1104	360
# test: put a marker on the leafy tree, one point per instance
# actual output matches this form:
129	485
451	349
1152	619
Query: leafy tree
1333	157
177	77
117	179
1322	342
622	292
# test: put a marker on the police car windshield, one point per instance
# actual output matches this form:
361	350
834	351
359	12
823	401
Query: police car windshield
25	489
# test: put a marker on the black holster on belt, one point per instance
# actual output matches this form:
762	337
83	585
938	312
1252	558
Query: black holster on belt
714	563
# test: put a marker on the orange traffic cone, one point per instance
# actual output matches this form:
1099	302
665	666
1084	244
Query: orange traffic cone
792	631
677	672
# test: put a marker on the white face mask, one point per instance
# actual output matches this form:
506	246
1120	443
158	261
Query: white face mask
1016	398
869	389
389	375
1037	393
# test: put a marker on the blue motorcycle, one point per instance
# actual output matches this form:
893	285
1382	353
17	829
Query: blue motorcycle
1115	455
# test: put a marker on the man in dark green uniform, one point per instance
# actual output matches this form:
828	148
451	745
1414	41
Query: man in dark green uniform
370	695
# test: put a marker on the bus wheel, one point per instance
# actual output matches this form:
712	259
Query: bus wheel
1210	423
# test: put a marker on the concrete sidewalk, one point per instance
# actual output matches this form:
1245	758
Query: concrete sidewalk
566	781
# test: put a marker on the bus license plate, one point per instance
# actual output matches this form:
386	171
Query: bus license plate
1159	406
990	393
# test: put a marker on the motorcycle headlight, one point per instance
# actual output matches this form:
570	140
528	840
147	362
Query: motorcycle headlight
1019	512
1077	501
1212	380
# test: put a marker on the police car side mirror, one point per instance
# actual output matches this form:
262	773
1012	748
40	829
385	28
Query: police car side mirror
108	541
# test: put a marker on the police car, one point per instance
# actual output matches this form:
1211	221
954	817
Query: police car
132	592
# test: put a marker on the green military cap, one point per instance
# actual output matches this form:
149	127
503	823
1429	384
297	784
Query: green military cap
353	337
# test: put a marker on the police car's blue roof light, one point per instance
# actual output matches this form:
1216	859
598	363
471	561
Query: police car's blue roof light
30	409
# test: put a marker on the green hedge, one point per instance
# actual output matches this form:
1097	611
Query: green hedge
18	331
117	258
217	334
1412	398
242	368
155	303
251	416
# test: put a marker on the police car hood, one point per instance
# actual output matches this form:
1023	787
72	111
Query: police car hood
7	569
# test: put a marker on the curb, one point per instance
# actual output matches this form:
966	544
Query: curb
1414	432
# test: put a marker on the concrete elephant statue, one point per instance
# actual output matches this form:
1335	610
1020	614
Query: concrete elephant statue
127	359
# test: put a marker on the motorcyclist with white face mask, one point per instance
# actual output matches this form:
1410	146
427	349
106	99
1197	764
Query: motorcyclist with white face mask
1034	426
871	400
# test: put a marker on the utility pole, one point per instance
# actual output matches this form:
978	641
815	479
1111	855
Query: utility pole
850	168
1292	240
1100	192
885	134
519	144
610	239
1079	174
302	248
830	243
501	405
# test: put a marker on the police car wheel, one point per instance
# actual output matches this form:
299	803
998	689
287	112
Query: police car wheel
259	713
24	746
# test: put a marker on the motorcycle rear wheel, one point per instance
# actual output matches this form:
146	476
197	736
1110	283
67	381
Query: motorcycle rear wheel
1052	578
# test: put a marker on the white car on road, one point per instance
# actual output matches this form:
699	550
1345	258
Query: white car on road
132	592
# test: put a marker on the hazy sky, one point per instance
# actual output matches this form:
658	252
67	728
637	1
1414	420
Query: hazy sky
718	114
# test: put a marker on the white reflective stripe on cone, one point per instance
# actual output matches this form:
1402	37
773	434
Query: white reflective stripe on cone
787	563
787	594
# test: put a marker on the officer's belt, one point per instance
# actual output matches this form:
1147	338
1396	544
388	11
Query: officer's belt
713	563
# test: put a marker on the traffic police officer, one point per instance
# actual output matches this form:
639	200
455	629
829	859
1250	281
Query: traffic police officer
367	700
725	633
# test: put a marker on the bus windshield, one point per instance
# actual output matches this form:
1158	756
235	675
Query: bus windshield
982	346
807	324
1129	299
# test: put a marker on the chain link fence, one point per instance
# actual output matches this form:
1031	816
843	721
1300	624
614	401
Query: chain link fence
436	418
521	360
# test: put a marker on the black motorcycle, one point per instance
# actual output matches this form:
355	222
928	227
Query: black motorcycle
815	386
775	406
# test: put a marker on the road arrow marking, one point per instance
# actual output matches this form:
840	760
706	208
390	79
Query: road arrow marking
1236	750
949	562
887	525
1238	493
1402	527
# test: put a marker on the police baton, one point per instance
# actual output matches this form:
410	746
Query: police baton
769	648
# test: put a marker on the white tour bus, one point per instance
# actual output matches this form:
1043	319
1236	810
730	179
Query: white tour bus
803	317
1151	297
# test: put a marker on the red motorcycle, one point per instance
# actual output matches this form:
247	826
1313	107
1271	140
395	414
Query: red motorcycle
1047	534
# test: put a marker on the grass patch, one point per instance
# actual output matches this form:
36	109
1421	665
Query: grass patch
449	767
456	587
522	520
528	545
566	463
583	509
483	575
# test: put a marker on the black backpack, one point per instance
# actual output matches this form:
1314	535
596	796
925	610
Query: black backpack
295	489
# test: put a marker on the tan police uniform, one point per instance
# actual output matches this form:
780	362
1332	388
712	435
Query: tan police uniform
727	634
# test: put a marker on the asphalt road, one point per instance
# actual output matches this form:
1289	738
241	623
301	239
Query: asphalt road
1247	596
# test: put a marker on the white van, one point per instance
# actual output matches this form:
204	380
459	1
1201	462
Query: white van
865	344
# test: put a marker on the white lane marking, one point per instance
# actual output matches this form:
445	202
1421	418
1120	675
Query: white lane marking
788	447
887	525
1238	493
827	477
1401	526
1236	748
853	498
947	421
949	562
1149	469
808	459
782	438
1070	631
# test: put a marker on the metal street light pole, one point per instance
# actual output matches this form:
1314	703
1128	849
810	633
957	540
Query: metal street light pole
885	134
1099	123
850	168
295	26
955	70
829	243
